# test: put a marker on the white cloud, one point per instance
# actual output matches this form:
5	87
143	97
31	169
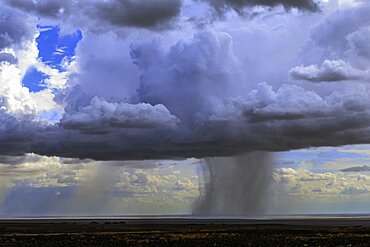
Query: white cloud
330	185
15	98
330	71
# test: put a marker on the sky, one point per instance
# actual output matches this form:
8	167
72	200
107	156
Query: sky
127	107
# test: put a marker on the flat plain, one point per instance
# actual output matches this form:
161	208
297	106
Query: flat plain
184	231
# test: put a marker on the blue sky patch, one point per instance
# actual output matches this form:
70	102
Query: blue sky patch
53	47
320	156
34	80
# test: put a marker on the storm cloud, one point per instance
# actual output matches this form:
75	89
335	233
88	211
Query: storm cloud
184	93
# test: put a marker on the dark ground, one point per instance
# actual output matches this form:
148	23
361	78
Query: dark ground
185	232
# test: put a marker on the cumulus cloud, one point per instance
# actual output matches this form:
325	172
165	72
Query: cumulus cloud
330	71
288	102
18	53
189	93
337	48
202	69
17	99
31	169
15	27
305	183
336	36
358	42
193	87
101	116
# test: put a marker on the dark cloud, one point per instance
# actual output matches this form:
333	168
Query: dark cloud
356	169
327	125
15	134
239	6
71	161
120	13
138	13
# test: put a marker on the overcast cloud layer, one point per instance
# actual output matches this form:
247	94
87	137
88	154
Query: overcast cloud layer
145	83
